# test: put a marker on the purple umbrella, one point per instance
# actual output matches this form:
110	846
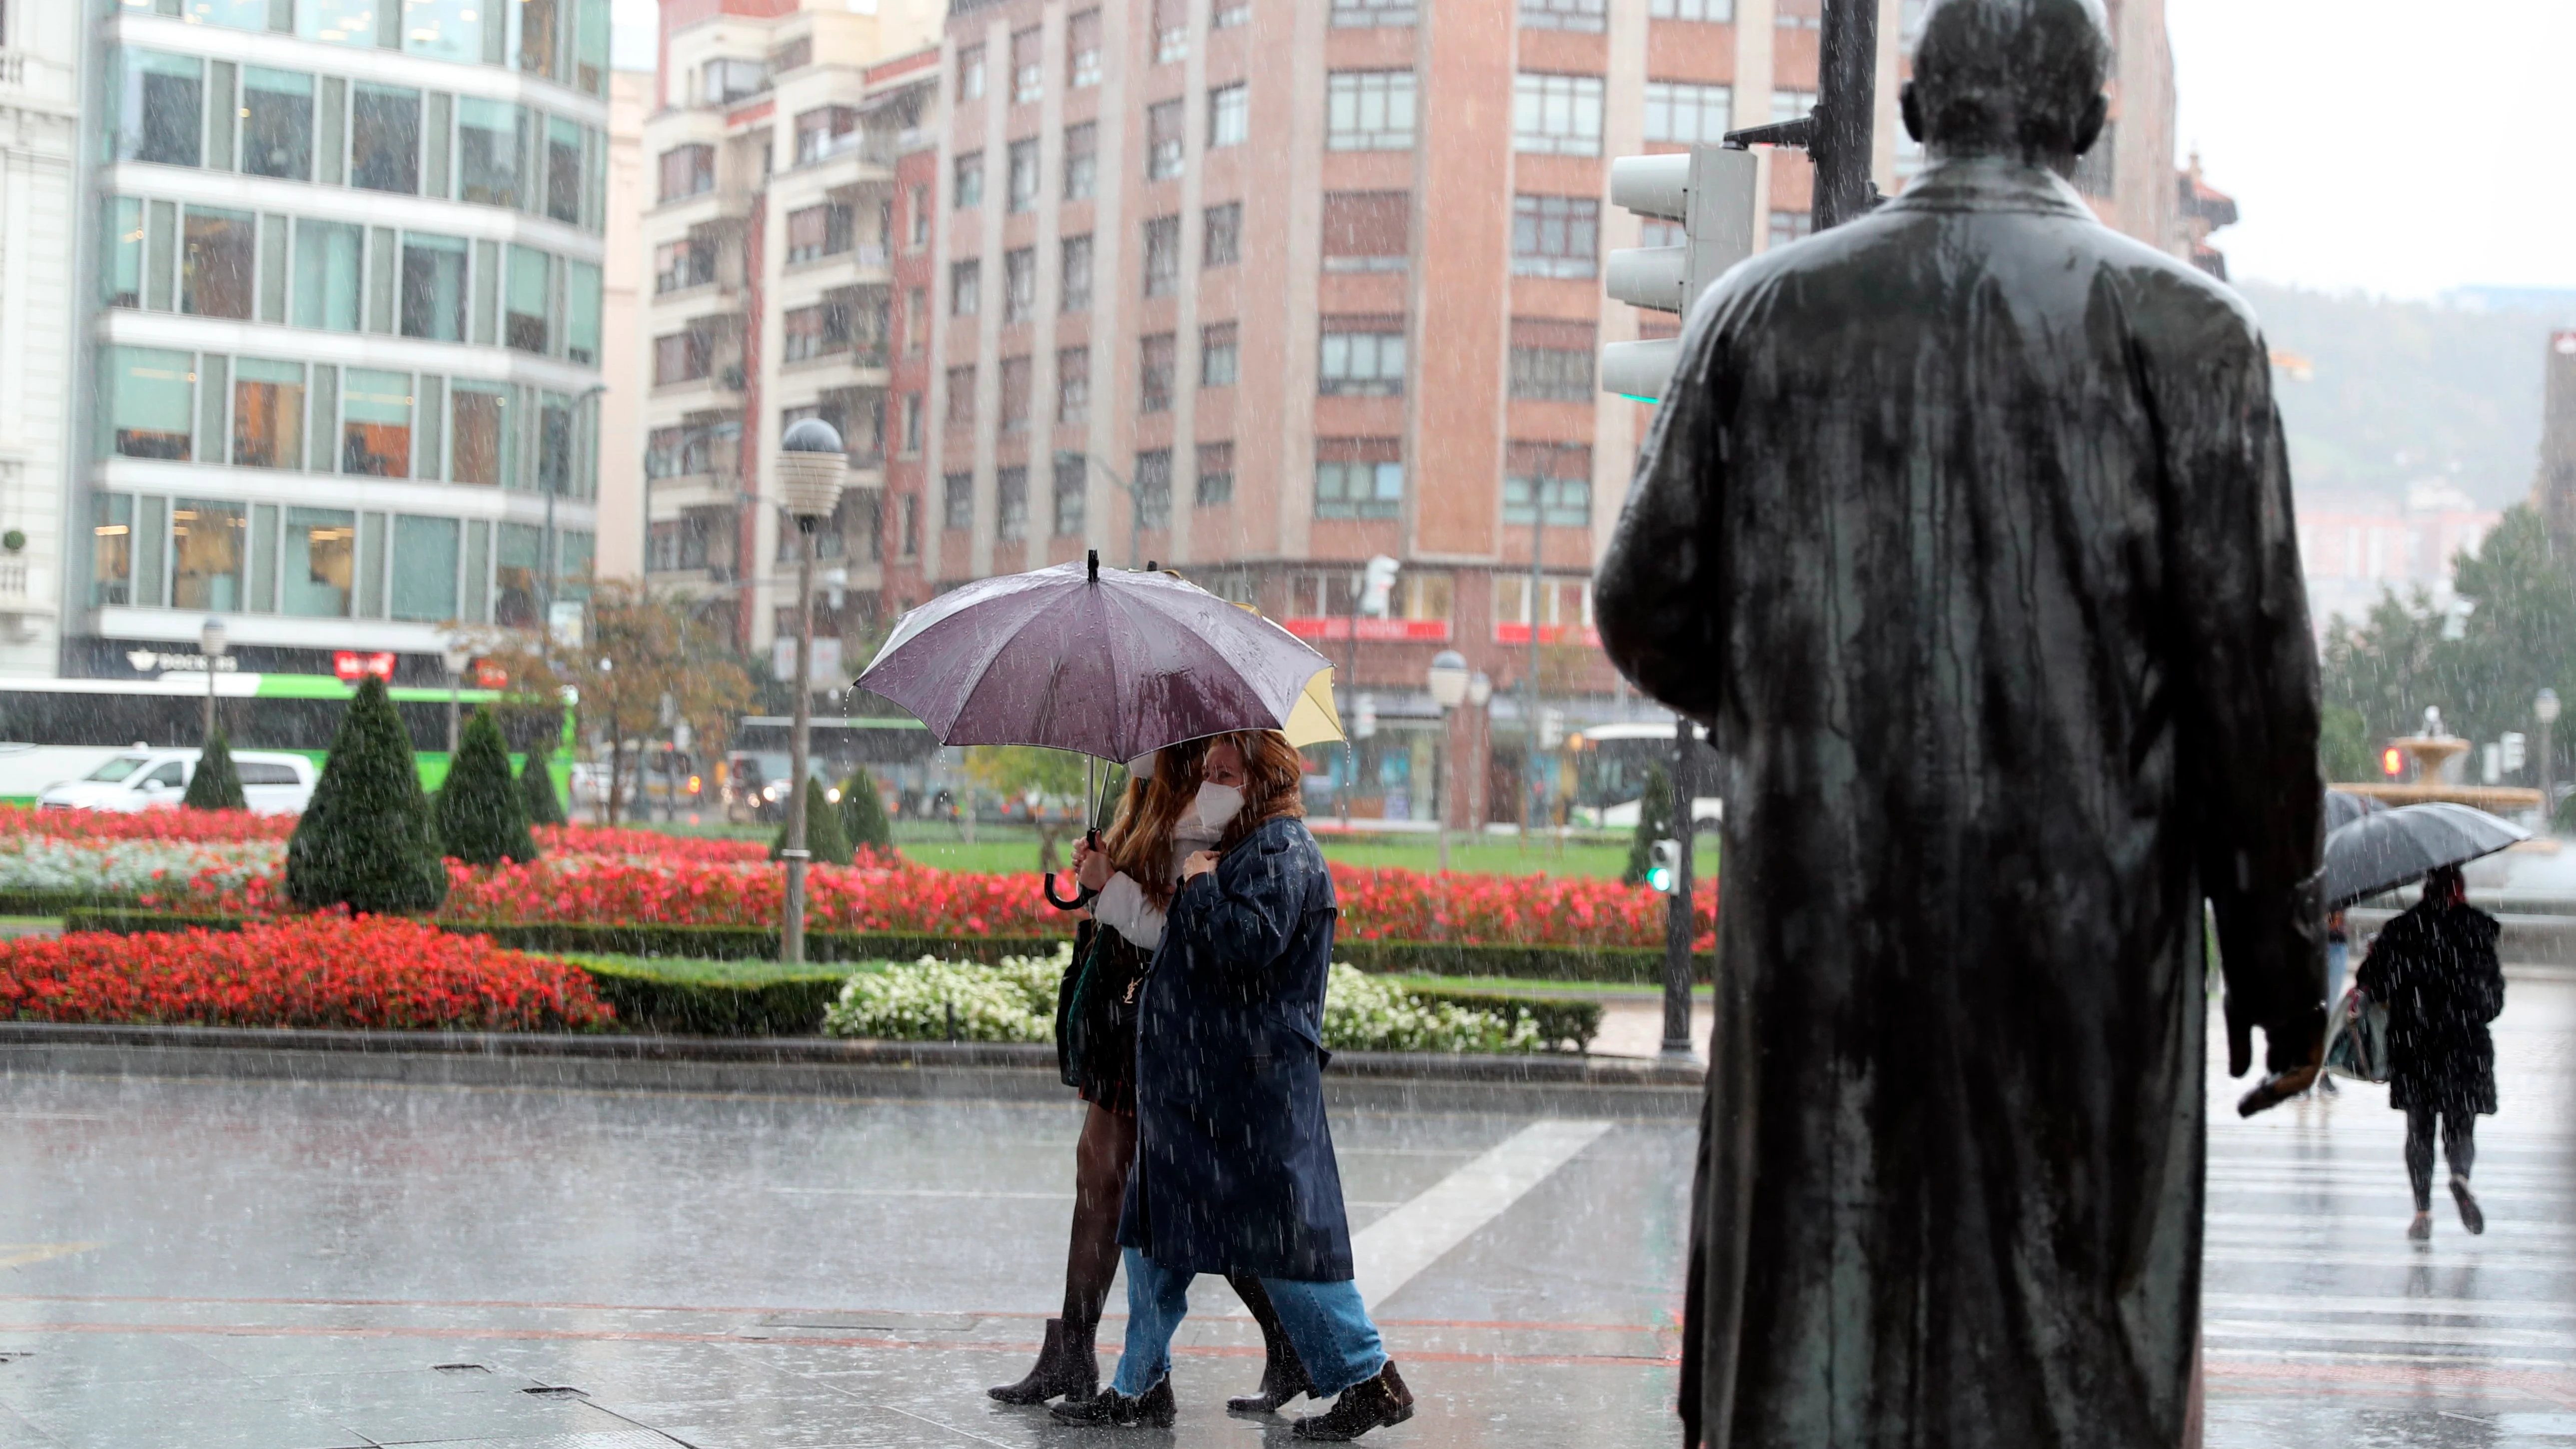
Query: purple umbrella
1111	665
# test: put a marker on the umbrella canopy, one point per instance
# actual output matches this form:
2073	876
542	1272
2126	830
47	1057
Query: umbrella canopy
1314	721
1111	665
2344	807
2385	849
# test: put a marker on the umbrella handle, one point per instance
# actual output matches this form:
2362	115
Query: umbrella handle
1080	899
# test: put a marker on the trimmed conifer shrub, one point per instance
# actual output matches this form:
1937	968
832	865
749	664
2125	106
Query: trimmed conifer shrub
367	840
537	789
823	838
216	785
863	817
482	813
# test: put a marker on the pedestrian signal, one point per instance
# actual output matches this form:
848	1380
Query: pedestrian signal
1664	866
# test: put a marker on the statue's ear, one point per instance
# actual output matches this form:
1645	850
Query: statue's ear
1910	111
2088	127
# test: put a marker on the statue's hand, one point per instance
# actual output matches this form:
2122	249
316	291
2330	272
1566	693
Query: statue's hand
2294	1053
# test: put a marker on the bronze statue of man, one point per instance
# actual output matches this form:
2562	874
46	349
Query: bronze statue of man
1966	527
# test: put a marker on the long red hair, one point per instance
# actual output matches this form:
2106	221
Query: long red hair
1139	841
1274	781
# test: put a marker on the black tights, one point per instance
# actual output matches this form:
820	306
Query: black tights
2459	1146
1091	1256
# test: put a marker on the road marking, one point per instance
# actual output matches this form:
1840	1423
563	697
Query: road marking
2408	1307
19	1255
1395	1249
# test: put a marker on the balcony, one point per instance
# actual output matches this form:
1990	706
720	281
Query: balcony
32	82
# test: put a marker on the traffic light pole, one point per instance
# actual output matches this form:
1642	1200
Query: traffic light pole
1846	106
1678	924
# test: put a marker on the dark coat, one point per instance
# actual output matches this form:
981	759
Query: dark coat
1966	526
2435	969
1234	1169
1095	1017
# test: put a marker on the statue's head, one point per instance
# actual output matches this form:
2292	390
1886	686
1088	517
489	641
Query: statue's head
2010	78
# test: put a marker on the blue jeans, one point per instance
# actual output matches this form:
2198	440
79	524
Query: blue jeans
2338	955
1326	1324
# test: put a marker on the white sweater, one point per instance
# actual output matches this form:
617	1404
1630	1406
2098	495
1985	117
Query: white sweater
1122	905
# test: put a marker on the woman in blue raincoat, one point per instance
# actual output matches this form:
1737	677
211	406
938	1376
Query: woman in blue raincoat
1234	1169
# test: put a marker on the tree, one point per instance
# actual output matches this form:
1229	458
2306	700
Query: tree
863	816
1654	822
823	838
1036	776
537	788
216	785
482	814
367	839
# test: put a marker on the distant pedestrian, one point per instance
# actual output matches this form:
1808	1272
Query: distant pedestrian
2338	971
2435	969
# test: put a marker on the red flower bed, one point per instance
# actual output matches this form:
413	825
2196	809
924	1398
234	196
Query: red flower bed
618	840
329	971
207	827
1522	910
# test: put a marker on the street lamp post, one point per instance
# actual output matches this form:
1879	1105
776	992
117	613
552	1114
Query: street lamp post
1480	693
2544	708
212	644
1448	681
1135	508
811	472
455	654
1679	925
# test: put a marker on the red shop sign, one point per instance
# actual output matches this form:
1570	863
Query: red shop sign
353	666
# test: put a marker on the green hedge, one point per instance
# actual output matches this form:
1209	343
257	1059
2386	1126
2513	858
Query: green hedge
1559	1022
701	998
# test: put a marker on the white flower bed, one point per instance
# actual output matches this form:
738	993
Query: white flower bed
128	867
1368	1014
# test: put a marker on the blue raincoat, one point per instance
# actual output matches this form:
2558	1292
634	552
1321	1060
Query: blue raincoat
1234	1169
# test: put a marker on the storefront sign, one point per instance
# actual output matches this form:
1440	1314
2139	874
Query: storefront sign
351	665
155	661
1373	630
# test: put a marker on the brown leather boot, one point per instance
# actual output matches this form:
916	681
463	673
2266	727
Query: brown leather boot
1370	1404
1063	1367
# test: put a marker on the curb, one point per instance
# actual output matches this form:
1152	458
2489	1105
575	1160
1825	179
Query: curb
808	1066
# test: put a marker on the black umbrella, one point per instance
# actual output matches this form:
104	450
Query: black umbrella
2344	807
2385	849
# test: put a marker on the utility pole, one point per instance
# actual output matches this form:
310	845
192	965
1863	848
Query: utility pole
1837	135
1679	924
1538	553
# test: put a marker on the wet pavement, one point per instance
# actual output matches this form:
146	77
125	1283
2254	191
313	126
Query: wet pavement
304	1266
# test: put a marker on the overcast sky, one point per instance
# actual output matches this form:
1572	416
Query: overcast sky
2398	148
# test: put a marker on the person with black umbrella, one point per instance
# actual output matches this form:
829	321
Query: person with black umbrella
2436	971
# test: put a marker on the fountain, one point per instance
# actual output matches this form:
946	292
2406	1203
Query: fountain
2428	752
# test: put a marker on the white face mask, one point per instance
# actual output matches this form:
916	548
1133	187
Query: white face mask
1217	806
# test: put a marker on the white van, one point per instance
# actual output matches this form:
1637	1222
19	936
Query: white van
272	783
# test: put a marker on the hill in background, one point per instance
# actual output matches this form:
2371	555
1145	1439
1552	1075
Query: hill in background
2405	391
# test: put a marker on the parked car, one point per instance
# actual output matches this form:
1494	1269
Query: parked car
273	783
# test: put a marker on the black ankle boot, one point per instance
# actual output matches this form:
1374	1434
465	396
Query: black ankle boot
1283	1378
1370	1404
1155	1408
1062	1368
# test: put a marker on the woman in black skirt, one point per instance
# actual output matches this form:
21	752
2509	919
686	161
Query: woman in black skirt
2435	969
1135	870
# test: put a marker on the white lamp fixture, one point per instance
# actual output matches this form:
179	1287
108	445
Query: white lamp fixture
812	469
2544	706
1480	689
1448	678
456	654
210	639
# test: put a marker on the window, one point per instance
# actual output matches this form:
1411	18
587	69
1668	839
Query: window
816	331
1162	256
1157	364
1688	114
958	500
1010	504
1790	105
515	574
151	401
268	413
1019	285
1229	115
680	265
1555	236
968	190
1072	476
111	569
206	538
1718	12
1558	476
1028	81
326	275
563	171
1367	13
1216	474
1799	15
384	139
961	396
1367	231
1076	274
1082	50
523	306
479	433
1221	238
1551	361
424	567
1024	175
1789	226
820	133
680	357
1371	110
215	250
1171	31
1015	394
1081	161
1163	141
917	210
1585	15
1359	477
1557	115
375	425
1227	14
433	287
686	171
970	73
277	123
1073	385
794	55
321	558
812	232
965	288
1361	357
163	115
916	325
1219	362
490	139
121	279
1154	488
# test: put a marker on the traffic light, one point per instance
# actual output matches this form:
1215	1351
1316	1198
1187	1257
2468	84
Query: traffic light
1377	584
1664	865
2516	751
2392	762
1709	190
